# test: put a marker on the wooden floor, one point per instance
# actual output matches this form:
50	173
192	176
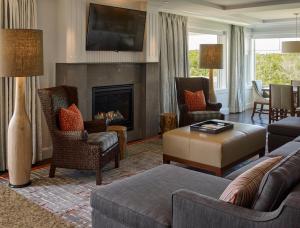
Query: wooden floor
245	117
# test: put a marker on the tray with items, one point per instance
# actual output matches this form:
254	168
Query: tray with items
211	126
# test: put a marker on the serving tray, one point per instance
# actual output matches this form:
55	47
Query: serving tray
211	126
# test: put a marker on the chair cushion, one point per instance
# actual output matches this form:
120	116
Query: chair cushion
145	200
277	183
242	190
195	101
289	126
198	116
70	119
104	139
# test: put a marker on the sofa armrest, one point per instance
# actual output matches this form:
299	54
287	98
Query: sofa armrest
213	106
95	126
191	209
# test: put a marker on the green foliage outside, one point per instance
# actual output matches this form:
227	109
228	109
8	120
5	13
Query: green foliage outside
276	68
195	71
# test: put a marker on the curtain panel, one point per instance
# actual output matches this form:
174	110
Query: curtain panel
16	14
173	57
237	77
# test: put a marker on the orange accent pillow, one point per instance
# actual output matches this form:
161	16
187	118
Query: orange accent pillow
243	189
195	101
70	119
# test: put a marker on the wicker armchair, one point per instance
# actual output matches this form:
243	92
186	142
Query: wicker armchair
76	149
194	84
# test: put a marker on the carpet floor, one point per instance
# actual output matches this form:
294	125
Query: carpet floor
68	194
17	211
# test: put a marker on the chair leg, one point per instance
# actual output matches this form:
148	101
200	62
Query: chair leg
261	109
117	158
98	176
52	171
254	109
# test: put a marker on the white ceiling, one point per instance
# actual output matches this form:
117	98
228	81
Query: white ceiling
241	12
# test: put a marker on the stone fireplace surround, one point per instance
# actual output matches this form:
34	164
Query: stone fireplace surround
143	76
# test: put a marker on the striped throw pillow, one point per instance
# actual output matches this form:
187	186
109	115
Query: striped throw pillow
243	189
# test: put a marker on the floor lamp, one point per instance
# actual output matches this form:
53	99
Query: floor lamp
21	56
211	57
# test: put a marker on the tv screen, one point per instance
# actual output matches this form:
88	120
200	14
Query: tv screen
115	29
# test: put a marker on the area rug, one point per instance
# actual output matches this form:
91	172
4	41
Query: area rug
68	194
17	211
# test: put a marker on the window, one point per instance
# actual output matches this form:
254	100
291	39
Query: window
272	66
195	39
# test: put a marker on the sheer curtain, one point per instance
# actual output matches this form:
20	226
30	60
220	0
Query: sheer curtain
173	57
237	70
19	14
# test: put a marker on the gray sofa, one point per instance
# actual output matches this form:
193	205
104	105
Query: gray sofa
170	196
283	131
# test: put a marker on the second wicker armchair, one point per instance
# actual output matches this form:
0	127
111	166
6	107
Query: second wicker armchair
75	150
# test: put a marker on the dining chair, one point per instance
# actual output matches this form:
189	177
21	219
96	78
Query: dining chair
297	110
295	83
281	102
259	99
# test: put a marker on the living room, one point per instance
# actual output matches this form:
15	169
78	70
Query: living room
149	113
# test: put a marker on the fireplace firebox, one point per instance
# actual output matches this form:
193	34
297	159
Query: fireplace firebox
114	103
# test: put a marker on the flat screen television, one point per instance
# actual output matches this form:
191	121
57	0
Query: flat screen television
115	29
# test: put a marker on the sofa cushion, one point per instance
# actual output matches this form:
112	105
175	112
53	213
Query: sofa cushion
145	200
244	168
104	139
289	126
285	150
277	183
242	190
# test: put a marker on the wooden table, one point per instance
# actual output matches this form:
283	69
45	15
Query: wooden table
122	134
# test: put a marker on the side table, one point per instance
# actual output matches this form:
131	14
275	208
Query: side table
168	121
122	134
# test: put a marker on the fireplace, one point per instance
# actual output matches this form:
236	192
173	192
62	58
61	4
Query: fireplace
114	103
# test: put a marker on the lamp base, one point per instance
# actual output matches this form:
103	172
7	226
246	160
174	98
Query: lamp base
212	95
19	186
19	140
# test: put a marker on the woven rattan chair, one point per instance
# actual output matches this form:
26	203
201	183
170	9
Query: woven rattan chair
76	149
195	84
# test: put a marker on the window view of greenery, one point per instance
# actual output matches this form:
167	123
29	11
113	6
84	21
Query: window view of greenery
273	67
195	39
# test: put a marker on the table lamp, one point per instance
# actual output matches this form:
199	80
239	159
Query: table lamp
21	56
211	57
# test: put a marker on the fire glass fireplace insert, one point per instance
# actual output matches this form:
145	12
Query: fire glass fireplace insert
115	104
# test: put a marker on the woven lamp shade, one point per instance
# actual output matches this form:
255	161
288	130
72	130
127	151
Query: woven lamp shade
211	56
21	53
291	47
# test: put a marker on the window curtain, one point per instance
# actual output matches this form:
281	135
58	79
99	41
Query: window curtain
237	78
19	14
173	57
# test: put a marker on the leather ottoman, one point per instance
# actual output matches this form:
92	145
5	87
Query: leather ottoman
214	152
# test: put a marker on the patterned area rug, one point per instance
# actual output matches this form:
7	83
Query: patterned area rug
68	194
